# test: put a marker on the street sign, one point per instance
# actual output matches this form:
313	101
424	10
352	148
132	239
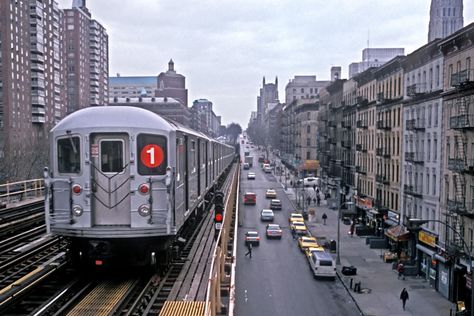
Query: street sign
218	226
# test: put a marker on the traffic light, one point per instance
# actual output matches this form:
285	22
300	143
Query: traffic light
218	209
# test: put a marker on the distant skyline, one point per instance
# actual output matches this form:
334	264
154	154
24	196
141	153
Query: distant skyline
225	48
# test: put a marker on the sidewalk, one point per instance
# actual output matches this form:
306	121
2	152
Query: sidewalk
380	287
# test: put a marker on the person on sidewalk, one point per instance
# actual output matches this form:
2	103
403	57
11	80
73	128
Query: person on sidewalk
249	252
404	297
318	200
325	217
401	270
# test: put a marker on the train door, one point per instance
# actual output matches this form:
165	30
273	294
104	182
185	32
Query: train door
110	179
186	174
206	159
199	167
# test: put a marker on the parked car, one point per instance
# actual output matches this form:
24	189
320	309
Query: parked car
274	231
311	181
296	217
252	237
270	194
250	176
304	242
267	215
250	198
310	250
275	204
299	229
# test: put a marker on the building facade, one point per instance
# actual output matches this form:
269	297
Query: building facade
204	118
32	84
446	17
172	85
87	58
132	86
374	57
303	87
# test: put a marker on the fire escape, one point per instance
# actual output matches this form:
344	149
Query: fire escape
460	123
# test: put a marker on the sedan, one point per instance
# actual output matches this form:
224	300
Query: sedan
251	176
296	217
309	251
271	194
275	204
306	242
252	237
274	231
267	215
299	229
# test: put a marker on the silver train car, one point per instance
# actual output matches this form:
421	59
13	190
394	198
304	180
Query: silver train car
124	180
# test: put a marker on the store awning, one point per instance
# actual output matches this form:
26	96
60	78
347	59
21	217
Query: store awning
398	233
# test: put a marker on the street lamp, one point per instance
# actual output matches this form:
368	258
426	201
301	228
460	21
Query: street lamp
414	225
338	246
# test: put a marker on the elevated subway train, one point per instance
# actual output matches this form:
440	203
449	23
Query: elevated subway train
124	180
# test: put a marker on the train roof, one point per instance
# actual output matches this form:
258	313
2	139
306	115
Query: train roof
112	116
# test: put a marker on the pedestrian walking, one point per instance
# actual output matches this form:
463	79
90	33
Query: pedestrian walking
314	187
249	250
401	270
352	228
404	297
308	199
318	200
325	217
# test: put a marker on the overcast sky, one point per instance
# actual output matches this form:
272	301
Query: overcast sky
224	48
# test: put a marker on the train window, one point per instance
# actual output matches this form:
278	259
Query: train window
111	156
152	150
193	155
69	155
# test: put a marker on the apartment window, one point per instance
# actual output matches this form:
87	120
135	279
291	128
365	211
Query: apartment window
308	155
308	129
302	90
434	183
450	73
428	150
427	191
294	90
437	75
310	90
429	115
468	64
308	142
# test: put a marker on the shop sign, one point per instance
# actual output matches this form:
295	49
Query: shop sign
365	203
393	216
427	238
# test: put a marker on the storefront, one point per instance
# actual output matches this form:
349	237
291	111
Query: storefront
428	264
398	238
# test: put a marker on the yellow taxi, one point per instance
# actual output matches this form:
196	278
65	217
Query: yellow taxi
299	229
295	217
271	194
305	242
310	250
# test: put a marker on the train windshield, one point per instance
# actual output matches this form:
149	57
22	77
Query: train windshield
69	155
111	156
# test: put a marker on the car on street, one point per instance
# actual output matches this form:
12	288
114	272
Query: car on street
304	242
270	194
274	231
296	217
310	250
250	176
246	166
311	181
250	198
267	169
267	215
299	229
275	204
252	237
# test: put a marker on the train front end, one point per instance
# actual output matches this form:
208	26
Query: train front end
111	184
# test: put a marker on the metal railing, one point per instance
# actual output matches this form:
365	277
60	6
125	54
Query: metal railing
13	192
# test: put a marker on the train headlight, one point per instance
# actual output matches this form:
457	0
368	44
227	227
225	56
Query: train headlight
77	210
144	188
144	210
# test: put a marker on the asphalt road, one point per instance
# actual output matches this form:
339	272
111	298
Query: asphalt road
277	279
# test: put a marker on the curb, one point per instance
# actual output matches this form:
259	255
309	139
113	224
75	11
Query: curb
349	292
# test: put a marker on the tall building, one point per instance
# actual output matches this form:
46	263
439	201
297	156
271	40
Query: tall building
204	118
268	94
31	84
374	57
87	58
172	85
446	17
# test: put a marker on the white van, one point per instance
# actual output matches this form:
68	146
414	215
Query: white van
322	264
